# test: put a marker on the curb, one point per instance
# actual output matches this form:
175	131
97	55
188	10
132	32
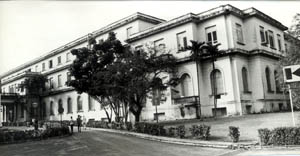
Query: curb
188	142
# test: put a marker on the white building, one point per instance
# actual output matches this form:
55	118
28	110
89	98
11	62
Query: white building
246	82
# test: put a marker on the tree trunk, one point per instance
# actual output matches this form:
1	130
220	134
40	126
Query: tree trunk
136	112
107	115
214	88
198	106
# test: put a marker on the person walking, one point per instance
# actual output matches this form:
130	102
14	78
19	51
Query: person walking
72	124
79	123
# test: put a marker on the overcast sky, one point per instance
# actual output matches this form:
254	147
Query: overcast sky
30	29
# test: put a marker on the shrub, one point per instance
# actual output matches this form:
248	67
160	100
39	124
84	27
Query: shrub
285	136
264	135
234	133
128	126
181	131
172	132
139	127
200	131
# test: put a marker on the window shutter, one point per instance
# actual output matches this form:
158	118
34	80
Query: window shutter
184	42
266	37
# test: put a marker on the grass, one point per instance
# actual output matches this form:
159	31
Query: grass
248	124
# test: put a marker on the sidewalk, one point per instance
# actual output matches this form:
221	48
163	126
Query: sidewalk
190	142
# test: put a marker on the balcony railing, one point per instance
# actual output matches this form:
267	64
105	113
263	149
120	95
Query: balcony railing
186	100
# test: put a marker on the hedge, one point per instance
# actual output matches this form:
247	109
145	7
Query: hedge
11	136
280	136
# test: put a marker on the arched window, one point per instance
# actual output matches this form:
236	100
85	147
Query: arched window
186	85
91	103
60	104
268	79
216	82
277	83
70	109
51	108
245	79
79	103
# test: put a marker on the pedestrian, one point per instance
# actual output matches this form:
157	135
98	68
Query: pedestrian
71	124
79	123
36	124
84	122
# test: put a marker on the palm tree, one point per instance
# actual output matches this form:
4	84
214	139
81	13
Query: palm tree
200	50
196	54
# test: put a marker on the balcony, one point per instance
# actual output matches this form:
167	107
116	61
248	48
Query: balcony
187	101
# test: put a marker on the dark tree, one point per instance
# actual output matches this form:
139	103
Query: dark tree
33	86
116	76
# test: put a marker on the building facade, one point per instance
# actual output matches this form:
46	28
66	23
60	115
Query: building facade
246	76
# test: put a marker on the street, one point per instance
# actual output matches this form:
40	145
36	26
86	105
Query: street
110	144
104	144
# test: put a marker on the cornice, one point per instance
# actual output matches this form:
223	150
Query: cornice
83	39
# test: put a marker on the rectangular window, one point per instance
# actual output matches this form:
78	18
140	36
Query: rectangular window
51	85
50	64
239	33
59	60
129	31
211	35
279	42
262	35
43	67
271	39
59	81
68	57
181	41
36	68
68	76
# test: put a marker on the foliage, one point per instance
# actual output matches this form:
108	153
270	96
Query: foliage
234	133
34	85
115	75
200	131
264	135
181	131
295	27
285	136
280	136
11	136
150	128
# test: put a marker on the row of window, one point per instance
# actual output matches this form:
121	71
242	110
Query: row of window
267	38
59	80
51	64
91	105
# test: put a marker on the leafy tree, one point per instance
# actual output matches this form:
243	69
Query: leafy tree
294	30
148	70
34	86
116	76
292	58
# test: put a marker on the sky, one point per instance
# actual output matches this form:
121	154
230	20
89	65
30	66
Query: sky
29	29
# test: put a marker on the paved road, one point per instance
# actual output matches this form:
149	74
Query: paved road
90	143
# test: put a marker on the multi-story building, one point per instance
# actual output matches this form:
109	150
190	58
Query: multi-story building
246	81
